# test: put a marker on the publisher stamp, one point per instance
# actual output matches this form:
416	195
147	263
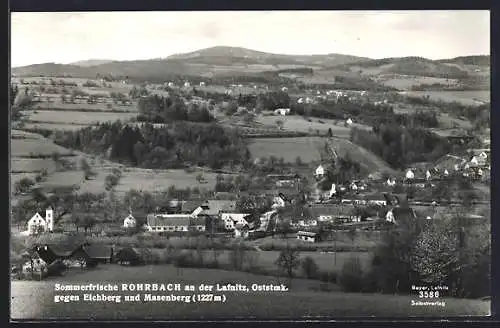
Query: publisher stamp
429	295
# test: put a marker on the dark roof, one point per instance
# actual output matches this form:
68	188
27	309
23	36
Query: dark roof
97	251
60	250
189	206
403	213
214	207
128	254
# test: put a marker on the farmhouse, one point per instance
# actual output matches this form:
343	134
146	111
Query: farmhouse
320	171
202	84
400	213
187	84
80	255
241	230
129	256
129	222
214	207
282	111
198	224
231	219
168	223
39	224
307	236
331	213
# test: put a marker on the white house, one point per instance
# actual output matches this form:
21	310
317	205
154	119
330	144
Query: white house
446	173
348	122
284	89
300	101
282	111
231	219
483	155
187	84
38	266
307	236
389	217
353	186
129	222
39	224
474	160
410	174
320	171
202	84
241	230
171	84
391	182
333	190
427	175
278	202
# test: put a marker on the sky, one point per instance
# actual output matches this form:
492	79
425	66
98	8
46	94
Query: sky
69	37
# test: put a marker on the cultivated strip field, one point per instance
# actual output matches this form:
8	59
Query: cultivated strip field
74	117
288	148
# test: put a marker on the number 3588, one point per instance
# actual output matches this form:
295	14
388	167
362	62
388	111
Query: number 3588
427	294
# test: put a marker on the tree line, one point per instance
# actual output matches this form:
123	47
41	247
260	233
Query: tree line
160	109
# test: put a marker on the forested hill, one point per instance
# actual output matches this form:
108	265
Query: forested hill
181	144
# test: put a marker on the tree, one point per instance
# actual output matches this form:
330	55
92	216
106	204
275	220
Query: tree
279	124
288	260
298	161
284	227
24	185
309	267
110	182
56	157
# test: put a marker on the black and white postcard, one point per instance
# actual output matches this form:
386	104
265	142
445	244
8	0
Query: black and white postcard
250	165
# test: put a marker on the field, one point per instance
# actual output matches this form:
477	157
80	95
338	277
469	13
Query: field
35	300
75	117
288	148
308	148
84	107
25	147
406	82
300	124
465	97
146	180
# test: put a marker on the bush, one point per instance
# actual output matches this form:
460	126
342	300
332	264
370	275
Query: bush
351	276
326	276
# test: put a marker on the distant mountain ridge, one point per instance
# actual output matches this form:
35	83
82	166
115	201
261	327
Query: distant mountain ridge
238	60
91	62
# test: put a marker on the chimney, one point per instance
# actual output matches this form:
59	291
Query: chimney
49	219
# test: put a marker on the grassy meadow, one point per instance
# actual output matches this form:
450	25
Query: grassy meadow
304	300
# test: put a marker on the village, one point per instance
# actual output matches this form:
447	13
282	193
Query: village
327	211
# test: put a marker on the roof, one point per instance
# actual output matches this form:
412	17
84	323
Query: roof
214	207
197	221
98	251
335	210
61	250
241	225
174	220
403	213
189	206
128	253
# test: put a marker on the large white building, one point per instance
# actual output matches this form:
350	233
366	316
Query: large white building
39	224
